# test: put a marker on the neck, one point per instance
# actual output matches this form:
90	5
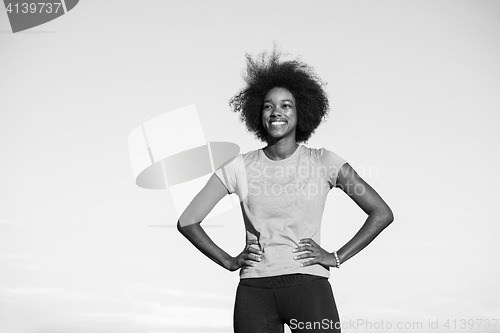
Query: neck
281	149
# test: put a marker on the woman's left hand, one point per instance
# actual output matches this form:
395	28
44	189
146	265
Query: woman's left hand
315	253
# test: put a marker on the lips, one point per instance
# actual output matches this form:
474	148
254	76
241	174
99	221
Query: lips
277	122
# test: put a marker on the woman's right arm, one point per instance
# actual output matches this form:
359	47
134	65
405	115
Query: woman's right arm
189	226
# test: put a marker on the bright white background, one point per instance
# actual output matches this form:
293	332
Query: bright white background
414	90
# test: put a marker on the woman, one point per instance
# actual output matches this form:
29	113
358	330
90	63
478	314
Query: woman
282	190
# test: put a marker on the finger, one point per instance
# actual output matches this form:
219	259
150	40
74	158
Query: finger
253	256
308	263
254	250
308	241
302	256
250	263
302	248
252	242
305	256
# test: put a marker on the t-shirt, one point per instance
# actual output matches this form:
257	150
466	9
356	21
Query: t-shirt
282	202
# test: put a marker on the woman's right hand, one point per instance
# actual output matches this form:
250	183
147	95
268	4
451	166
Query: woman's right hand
250	256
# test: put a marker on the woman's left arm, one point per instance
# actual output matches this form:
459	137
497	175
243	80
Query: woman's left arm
379	217
379	213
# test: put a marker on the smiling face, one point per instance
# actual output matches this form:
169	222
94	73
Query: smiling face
279	114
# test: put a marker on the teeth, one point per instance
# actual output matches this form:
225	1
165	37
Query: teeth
277	122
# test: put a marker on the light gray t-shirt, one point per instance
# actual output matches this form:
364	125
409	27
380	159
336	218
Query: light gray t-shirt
282	202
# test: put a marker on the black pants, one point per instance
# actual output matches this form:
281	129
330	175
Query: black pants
304	302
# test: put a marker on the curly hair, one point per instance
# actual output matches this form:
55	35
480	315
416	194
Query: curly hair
268	72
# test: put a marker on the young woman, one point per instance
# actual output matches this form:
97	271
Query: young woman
282	190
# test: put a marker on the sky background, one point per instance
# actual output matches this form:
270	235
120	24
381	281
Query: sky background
414	92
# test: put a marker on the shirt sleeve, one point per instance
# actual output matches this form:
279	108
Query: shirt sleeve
228	173
333	163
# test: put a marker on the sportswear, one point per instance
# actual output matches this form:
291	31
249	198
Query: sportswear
304	302
282	201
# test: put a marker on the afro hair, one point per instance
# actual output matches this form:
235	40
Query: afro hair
268	71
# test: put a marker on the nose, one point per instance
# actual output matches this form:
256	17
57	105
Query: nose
276	112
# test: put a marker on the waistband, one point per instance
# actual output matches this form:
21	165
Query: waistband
280	281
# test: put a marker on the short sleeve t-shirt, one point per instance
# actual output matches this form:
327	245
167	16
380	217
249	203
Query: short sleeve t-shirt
282	202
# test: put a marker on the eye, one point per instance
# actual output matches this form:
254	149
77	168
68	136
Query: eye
267	107
287	105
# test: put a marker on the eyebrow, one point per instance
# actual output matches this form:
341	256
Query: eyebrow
283	100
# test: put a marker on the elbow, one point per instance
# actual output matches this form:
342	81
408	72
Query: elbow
387	216
382	217
179	227
390	217
186	229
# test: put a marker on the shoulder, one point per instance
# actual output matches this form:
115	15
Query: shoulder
240	160
323	155
329	155
251	154
235	160
251	157
309	152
